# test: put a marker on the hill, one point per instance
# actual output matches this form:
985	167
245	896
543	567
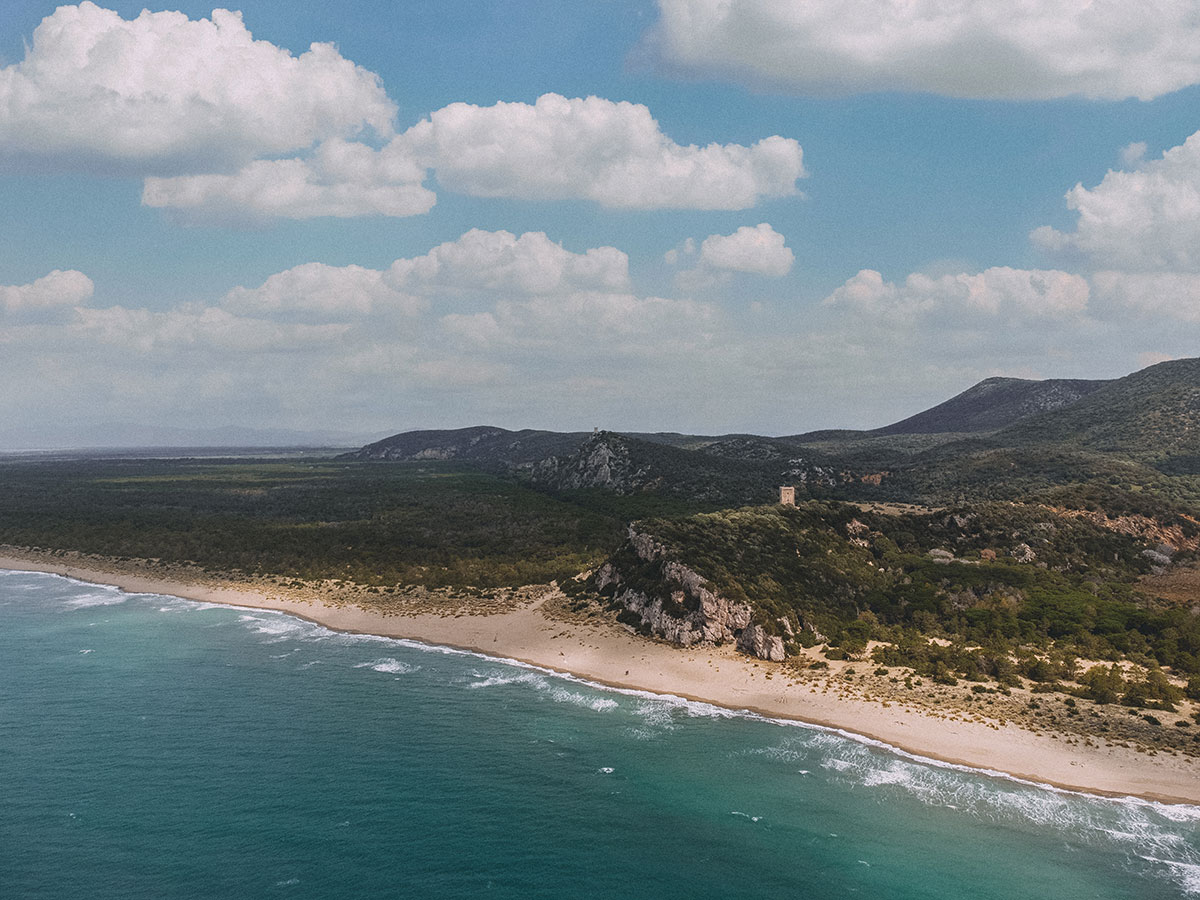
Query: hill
1153	414
730	472
484	445
1003	439
993	404
996	576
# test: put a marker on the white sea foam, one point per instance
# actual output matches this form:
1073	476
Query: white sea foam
389	666
541	682
746	816
1186	875
97	598
277	628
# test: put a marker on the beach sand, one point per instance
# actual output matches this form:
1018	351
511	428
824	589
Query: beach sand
528	629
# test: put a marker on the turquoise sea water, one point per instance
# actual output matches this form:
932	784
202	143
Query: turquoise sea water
153	747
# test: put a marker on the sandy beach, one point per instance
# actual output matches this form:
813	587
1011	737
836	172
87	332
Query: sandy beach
530	629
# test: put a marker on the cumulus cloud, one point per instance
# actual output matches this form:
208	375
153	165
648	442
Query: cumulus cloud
993	292
479	263
1010	49
613	154
501	261
56	290
163	92
1147	218
319	291
341	179
759	250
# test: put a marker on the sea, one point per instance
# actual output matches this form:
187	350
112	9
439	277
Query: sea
153	747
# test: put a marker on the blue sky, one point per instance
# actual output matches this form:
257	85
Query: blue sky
768	217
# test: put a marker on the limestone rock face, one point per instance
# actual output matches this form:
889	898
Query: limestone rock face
602	461
755	641
692	612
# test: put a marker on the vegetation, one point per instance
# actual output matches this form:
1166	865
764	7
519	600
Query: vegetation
432	523
992	582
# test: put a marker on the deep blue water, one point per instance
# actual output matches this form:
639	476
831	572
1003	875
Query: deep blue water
153	747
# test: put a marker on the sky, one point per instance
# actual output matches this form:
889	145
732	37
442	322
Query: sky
706	216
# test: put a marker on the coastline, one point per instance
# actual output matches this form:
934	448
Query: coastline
608	655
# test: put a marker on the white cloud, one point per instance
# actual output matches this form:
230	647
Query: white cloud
168	93
506	321
322	292
501	261
1011	49
759	250
1148	218
1133	153
995	291
612	153
1170	295
55	290
341	179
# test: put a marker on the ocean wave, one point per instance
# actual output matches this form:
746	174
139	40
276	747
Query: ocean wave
276	626
542	683
97	598
389	666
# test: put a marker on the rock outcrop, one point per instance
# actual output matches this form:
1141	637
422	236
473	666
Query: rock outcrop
602	461
682	607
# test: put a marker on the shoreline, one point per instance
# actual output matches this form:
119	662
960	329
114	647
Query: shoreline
611	657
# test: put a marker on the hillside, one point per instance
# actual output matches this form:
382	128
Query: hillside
993	404
484	445
733	472
1153	413
996	576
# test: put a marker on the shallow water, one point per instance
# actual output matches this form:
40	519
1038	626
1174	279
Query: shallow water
154	747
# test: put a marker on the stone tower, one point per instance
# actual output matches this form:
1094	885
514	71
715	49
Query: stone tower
787	496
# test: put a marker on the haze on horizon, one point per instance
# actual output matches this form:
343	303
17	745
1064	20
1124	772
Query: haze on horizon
682	215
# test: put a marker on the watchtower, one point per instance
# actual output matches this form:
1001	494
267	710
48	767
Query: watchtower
787	495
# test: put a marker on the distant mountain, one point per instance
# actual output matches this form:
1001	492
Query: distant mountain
993	404
1153	413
